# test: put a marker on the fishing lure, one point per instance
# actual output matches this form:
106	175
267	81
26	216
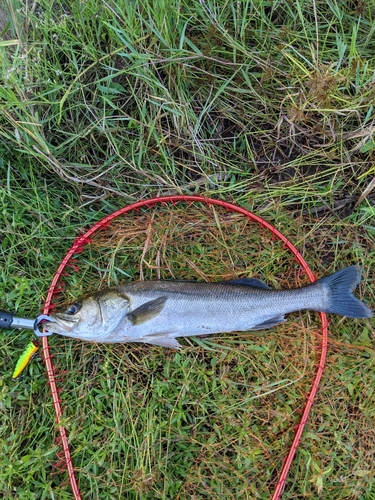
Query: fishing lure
25	357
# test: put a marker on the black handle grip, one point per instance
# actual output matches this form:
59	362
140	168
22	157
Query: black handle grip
6	319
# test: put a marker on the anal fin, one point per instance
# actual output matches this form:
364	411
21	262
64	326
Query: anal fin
269	323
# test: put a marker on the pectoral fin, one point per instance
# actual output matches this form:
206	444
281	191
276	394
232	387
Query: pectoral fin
269	323
146	311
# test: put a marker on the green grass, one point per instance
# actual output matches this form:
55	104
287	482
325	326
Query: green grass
266	104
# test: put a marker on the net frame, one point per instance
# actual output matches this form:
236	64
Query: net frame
69	260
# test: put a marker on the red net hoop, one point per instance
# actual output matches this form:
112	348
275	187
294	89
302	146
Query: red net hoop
85	239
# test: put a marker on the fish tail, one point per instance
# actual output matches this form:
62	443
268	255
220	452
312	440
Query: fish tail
341	285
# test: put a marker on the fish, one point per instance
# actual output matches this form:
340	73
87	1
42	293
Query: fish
158	312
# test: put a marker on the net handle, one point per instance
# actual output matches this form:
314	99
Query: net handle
82	241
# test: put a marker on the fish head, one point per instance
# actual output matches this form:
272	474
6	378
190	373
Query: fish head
91	318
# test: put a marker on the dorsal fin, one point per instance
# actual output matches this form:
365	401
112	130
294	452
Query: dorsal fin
254	282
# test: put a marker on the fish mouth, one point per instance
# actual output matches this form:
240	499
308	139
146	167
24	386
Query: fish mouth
60	325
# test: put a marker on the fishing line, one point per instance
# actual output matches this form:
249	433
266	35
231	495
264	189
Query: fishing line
69	261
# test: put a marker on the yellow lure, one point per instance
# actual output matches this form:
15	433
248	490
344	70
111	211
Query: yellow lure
24	359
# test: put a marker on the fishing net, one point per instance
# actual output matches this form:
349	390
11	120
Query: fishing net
212	413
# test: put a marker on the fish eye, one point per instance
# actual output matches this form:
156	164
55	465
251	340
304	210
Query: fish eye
74	308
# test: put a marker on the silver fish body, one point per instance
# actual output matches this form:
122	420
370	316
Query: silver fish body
156	312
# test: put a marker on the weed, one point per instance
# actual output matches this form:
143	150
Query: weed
267	104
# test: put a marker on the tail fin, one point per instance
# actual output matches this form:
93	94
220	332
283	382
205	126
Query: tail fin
343	302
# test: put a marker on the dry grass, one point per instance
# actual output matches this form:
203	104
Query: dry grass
268	105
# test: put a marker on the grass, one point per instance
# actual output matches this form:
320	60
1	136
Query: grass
266	104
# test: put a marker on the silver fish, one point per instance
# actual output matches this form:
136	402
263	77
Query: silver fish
156	312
